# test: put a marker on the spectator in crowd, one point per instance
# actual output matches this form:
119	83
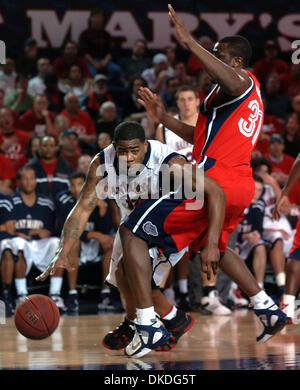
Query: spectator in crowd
104	140
54	95
13	141
296	106
291	136
181	74
61	123
26	63
38	120
31	150
277	104
157	75
204	85
170	52
84	163
131	109
7	174
51	171
8	76
76	84
7	229
69	148
169	95
98	47
34	243
270	63
96	238
36	85
108	118
290	81
134	65
20	100
14	112
276	234
80	121
194	68
63	63
98	95
250	244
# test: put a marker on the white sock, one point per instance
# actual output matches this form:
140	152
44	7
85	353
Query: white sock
21	286
105	291
261	300
145	316
234	286
280	279
55	285
71	292
183	286
288	299
171	314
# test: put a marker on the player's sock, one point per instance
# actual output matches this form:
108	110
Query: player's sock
288	299
21	286
145	316
55	285
261	300
208	289
72	292
183	286
171	314
261	285
280	279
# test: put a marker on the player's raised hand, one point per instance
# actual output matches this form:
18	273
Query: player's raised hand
183	34
283	203
152	104
60	261
210	257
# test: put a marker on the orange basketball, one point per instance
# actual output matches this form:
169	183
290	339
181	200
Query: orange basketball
36	317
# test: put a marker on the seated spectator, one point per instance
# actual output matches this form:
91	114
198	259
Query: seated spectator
104	140
36	85
181	74
69	148
95	239
84	163
270	63
290	81
54	95
7	229
75	83
98	95
296	106
277	104
291	136
62	64
33	243
51	171
169	96
20	100
61	123
204	85
131	109
13	142
277	234
157	75
7	175
38	120
108	118
250	244
26	63
31	150
8	76
171	54
134	65
80	121
14	112
98	47
194	67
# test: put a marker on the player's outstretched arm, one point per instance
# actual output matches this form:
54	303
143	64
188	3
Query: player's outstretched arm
231	82
293	177
75	222
157	111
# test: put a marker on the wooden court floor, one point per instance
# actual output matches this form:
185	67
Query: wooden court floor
214	343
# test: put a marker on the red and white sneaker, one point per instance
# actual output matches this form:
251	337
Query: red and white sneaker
289	310
237	299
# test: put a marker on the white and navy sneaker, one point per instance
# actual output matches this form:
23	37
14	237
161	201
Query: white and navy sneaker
57	299
146	339
273	320
213	304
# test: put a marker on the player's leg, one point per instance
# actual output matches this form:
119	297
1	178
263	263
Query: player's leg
277	260
72	301
259	262
181	271
7	273
20	276
210	302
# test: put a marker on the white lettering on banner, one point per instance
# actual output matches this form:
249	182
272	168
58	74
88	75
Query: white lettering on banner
296	54
56	30
226	23
163	30
123	24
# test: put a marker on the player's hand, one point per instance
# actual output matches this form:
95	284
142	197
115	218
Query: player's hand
282	204
60	261
182	32
152	104
210	258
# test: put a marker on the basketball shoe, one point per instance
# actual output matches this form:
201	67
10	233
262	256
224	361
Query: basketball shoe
121	336
235	296
213	304
289	310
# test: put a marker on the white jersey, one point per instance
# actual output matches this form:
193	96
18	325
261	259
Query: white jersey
269	197
127	193
177	143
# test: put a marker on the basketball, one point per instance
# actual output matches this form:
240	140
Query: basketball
36	317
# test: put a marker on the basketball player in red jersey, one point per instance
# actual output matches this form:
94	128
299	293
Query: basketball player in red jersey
227	129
